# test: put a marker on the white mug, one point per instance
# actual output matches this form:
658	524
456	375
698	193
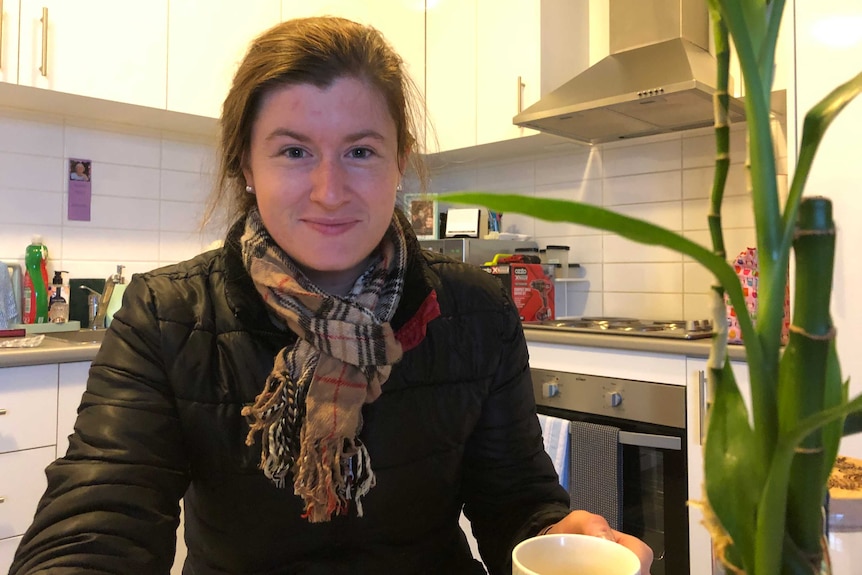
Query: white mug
569	554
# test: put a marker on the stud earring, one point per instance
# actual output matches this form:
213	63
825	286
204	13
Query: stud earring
249	189
398	188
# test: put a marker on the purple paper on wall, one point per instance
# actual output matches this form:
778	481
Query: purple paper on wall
80	189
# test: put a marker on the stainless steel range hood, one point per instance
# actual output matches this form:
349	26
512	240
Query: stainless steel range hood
659	77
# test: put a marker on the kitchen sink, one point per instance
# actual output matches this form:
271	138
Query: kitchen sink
80	336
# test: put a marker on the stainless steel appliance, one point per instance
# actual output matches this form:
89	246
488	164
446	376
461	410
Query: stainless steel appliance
675	329
651	422
659	77
475	251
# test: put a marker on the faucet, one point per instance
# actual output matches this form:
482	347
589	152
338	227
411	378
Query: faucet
98	302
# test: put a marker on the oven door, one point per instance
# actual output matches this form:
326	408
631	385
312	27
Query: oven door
654	487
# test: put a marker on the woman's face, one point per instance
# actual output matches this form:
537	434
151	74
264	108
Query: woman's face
324	166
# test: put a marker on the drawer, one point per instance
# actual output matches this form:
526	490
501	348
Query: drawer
7	552
28	407
22	483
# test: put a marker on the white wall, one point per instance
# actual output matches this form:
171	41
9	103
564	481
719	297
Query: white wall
828	53
148	189
664	179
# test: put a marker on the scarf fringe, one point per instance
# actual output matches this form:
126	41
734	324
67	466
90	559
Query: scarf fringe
336	472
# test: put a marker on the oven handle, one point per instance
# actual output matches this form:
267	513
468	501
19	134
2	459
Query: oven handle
650	440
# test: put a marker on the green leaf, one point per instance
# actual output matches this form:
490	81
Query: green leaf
734	475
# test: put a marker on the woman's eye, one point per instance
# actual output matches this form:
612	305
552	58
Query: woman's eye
294	152
361	153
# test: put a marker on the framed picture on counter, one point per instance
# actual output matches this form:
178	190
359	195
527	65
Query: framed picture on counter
422	211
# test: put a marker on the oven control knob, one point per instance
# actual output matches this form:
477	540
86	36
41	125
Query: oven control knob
550	389
613	399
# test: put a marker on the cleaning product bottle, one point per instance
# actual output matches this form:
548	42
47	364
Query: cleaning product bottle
58	305
117	296
36	282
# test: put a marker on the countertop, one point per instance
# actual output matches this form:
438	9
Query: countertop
58	351
686	347
49	351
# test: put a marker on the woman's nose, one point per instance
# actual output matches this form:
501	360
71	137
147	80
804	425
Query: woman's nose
328	183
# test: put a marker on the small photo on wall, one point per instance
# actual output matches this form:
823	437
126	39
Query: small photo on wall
79	170
422	211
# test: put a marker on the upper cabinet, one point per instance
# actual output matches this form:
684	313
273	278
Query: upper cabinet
487	60
9	41
109	49
207	40
402	22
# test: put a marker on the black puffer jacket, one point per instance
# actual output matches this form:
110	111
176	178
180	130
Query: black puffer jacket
160	420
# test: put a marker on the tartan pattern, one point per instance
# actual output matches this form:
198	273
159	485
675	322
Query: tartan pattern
309	412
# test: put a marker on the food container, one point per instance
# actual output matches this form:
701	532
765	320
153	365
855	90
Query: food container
558	256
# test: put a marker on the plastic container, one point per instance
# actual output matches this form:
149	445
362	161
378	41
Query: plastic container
58	304
35	292
558	256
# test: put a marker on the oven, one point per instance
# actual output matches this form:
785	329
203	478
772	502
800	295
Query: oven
646	422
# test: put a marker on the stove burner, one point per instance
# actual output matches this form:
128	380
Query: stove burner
678	329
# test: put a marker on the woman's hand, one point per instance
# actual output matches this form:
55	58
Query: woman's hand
587	523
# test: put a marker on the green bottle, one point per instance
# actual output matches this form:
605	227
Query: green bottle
36	282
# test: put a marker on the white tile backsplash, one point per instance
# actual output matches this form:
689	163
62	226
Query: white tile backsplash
148	192
23	136
664	180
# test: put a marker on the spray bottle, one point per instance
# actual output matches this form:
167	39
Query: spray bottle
36	282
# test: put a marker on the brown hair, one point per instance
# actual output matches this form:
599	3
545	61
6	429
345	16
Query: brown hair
313	51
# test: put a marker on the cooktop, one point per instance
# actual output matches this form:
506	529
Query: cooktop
677	329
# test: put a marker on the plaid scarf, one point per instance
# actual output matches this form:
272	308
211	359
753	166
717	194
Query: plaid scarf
309	412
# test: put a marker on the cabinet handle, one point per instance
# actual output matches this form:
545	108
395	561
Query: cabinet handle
2	412
44	67
2	499
703	386
521	87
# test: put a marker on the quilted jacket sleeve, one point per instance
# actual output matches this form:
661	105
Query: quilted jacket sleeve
511	488
112	503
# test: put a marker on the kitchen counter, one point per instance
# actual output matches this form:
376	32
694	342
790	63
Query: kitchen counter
686	347
51	350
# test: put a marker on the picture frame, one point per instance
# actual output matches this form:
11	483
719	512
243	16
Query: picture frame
422	211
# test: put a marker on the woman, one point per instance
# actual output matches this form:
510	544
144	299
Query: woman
324	394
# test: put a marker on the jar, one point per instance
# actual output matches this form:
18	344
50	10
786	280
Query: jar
558	256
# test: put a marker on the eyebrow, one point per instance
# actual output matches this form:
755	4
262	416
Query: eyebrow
287	132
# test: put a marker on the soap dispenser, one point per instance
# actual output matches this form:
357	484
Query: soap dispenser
117	296
58	305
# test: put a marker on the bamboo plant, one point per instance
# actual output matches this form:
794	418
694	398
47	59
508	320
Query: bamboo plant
765	483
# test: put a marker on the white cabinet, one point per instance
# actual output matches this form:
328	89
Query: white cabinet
22	483
28	407
72	383
402	23
9	20
28	424
7	552
207	39
109	49
697	398
489	59
450	91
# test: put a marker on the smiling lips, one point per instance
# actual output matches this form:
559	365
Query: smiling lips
331	227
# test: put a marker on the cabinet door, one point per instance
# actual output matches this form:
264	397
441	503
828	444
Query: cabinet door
73	383
22	483
697	399
7	552
450	90
28	407
9	10
402	22
206	42
110	49
509	67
